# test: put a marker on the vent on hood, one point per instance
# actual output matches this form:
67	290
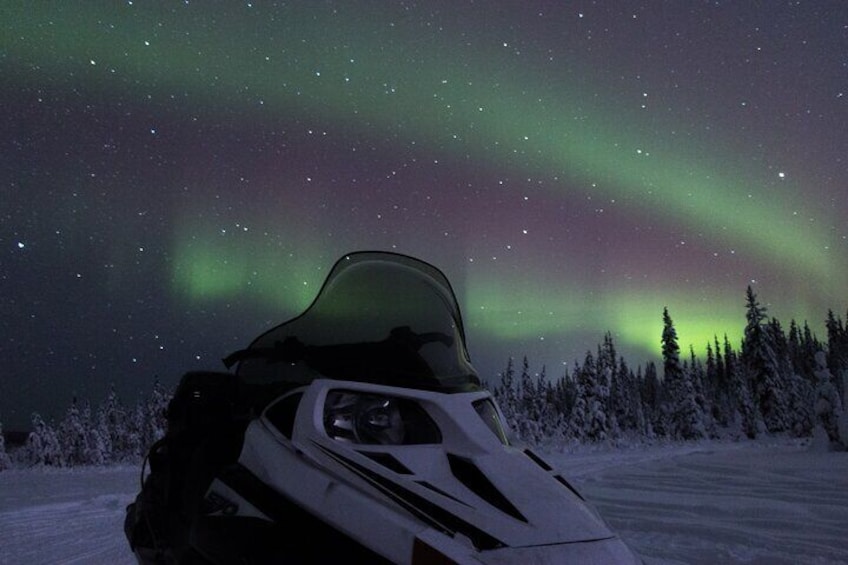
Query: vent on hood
538	460
388	461
567	485
473	478
440	491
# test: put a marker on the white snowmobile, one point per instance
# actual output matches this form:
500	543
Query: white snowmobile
357	432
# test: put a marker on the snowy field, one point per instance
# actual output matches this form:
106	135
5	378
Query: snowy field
763	502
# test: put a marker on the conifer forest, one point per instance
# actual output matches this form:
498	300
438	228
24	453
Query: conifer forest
776	381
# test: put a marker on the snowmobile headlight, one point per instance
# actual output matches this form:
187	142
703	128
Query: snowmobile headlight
376	419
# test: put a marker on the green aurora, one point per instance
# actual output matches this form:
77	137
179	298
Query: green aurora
381	77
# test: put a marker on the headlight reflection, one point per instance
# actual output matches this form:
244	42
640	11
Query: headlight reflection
377	420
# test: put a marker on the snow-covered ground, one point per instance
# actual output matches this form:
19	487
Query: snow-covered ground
752	502
65	515
761	502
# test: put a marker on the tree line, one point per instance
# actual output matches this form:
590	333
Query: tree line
773	382
111	433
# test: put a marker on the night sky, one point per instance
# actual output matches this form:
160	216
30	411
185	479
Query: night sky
178	177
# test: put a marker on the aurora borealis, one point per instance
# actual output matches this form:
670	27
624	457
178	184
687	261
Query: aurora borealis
178	177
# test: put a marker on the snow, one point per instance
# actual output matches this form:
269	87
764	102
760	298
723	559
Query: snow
65	515
749	502
769	501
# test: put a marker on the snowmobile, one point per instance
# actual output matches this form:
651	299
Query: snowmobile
357	432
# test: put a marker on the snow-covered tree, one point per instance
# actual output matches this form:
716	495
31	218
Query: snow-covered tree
763	367
797	391
589	418
651	392
565	393
156	408
42	446
745	417
551	419
684	415
5	462
801	406
837	350
625	402
118	429
698	376
507	397
529	407
802	348
578	421
722	404
606	425
79	438
527	395
828	405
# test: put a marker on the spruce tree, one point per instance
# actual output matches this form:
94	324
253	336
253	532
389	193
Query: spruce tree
762	367
837	350
800	398
550	419
685	416
641	420
527	395
565	395
622	404
797	392
698	376
74	436
802	364
529	412
828	405
717	387
155	410
42	446
5	461
579	412
651	393
588	418
119	429
96	452
598	400
506	396
744	413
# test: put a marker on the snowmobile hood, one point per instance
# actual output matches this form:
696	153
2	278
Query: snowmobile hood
379	317
458	483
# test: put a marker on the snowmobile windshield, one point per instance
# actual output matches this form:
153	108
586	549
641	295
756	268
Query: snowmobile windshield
380	318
